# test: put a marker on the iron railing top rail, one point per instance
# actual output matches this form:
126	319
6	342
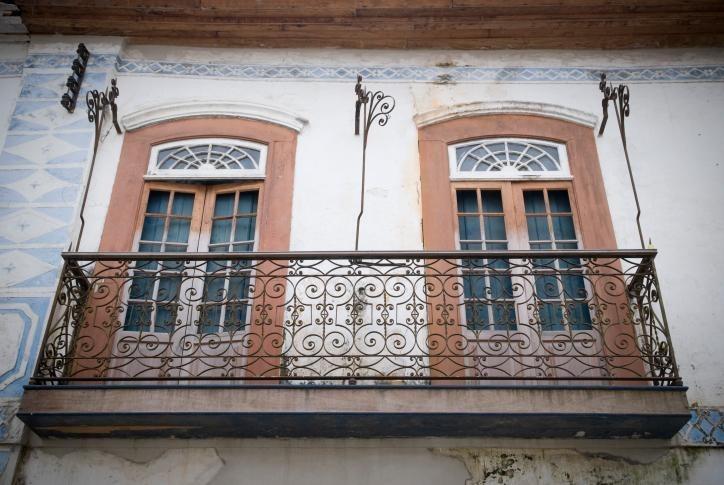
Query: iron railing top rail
357	255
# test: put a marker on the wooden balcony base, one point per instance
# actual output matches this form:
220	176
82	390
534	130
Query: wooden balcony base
354	411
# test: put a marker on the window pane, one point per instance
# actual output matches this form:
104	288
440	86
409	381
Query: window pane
551	316
235	318
476	316
245	229
467	201
534	202
138	317
157	202
209	319
224	206
492	201
546	287
247	202
469	227
221	231
153	228
165	318
183	204
494	228
558	200
563	227
538	228
178	230
168	288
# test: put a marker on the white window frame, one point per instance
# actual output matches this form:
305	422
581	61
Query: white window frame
563	174
217	174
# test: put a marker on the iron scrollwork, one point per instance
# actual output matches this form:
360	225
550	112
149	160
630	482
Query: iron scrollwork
620	96
75	80
97	102
365	317
370	108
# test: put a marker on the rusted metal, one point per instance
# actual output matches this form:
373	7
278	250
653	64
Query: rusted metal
366	317
372	107
97	102
75	80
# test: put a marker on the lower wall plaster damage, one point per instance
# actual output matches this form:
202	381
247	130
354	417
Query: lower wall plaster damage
360	462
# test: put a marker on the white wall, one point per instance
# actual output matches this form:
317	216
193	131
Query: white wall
674	141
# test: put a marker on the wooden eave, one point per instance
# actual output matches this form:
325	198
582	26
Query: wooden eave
444	24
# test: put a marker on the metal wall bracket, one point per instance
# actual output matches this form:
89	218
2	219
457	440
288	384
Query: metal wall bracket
97	103
75	80
369	108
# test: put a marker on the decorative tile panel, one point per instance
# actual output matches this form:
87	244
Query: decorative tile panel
706	427
42	169
421	73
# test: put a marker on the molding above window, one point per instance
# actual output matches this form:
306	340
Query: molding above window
505	107
180	109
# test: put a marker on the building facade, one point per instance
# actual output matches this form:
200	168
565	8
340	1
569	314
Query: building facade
490	317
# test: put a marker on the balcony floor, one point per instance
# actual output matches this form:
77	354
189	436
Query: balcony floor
194	411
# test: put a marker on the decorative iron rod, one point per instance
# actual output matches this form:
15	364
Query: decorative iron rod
372	106
97	103
620	97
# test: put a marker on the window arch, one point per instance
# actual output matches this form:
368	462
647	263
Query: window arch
207	158
508	158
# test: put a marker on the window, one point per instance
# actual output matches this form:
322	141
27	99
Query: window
194	218
537	217
506	158
207	158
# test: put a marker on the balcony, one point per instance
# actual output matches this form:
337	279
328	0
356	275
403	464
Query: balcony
507	343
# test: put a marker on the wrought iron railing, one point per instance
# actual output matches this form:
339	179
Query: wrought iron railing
460	317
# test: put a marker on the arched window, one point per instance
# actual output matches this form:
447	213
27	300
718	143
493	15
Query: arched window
508	158
207	158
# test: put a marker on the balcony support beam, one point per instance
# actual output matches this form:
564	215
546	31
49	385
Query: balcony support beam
542	411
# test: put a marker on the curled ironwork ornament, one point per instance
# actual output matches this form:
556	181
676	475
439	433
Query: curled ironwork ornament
97	103
619	96
320	318
370	108
69	98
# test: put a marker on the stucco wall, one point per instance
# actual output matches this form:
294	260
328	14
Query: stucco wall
676	148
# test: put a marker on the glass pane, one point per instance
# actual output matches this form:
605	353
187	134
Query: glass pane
209	319
492	201
534	202
563	227
141	287
497	263
579	316
504	316
221	231
551	316
235	318
165	318
501	287
183	204
494	228
224	206
148	248
245	229
238	287
558	199
467	201
574	287
247	202
474	286
476	316
168	288
153	228
178	230
546	287
538	228
243	248
469	227
138	317
157	201
215	288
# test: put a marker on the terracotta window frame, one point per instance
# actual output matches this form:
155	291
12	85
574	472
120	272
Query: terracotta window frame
438	188
275	200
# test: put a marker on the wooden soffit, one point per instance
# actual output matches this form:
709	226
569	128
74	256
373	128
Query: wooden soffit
446	24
